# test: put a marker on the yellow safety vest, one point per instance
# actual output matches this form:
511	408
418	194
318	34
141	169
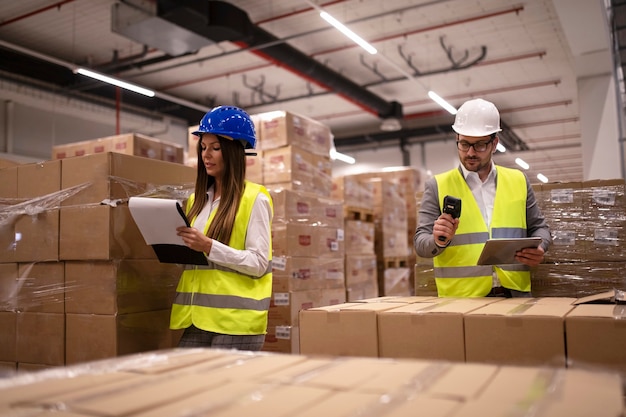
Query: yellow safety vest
456	271
221	300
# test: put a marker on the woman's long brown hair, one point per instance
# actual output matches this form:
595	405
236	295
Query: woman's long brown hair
232	188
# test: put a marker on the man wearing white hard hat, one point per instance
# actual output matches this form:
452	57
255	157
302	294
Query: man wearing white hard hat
497	202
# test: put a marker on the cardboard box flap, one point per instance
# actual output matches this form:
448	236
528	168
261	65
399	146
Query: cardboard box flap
607	297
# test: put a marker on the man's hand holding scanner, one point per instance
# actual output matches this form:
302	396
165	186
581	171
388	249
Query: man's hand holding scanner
194	239
446	224
444	229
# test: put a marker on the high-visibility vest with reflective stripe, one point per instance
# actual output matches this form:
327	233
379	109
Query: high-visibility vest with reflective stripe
219	299
456	271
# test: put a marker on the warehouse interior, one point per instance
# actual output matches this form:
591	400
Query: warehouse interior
94	175
527	57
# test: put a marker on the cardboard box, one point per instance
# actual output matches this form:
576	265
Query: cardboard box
428	330
349	329
41	338
36	229
285	306
8	185
10	286
296	273
296	239
361	290
359	237
100	232
137	145
8	336
41	287
282	339
283	128
518	331
595	337
96	336
254	168
555	392
120	286
93	179
289	164
361	269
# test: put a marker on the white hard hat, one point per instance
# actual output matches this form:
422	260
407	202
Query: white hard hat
477	118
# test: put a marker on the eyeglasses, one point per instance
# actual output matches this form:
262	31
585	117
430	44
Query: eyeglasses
478	146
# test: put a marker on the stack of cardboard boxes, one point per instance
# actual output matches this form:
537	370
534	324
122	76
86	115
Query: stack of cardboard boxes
588	254
78	281
360	234
307	231
229	383
128	143
555	332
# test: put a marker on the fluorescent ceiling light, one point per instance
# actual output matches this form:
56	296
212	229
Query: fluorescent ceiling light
522	163
437	99
542	178
334	155
501	147
114	81
391	124
353	36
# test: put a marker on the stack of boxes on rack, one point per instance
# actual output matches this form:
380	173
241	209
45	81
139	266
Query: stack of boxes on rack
588	254
307	230
358	212
395	218
78	282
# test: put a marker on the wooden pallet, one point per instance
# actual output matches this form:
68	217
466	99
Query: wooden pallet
358	213
398	262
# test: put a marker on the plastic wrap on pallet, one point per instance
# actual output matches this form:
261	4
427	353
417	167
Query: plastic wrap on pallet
577	279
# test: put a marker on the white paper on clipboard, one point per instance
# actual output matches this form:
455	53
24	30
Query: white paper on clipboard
502	251
157	219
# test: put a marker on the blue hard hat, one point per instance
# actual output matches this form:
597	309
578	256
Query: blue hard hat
230	122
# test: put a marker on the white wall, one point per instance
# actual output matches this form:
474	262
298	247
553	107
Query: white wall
32	121
430	158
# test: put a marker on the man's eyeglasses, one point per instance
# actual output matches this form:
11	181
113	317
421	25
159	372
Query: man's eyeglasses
478	146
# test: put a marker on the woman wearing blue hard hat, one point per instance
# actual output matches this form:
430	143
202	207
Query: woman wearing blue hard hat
225	304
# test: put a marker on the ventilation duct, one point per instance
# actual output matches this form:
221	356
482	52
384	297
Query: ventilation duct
220	21
144	26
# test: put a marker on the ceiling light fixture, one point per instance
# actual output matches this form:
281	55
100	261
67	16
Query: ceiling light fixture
542	178
500	147
353	36
390	124
114	81
439	100
522	163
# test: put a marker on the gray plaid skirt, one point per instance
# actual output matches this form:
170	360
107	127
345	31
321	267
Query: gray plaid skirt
194	337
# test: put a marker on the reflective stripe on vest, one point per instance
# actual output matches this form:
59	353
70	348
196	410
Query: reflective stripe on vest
222	300
456	272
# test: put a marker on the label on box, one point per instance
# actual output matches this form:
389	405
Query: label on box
564	238
340	235
563	196
283	332
281	298
607	237
603	197
279	263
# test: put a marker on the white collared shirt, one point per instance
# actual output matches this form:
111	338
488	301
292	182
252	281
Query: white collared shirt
253	260
485	195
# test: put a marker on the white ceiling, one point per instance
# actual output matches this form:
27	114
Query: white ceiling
533	52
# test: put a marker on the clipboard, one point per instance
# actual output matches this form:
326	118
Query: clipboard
502	251
157	220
